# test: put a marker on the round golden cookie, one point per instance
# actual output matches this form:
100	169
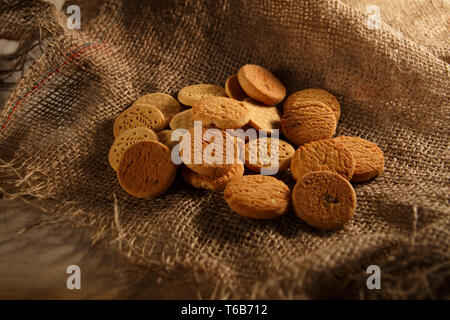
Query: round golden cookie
260	153
323	155
212	153
145	116
258	197
221	112
126	139
165	137
216	184
182	120
369	159
261	85
313	94
324	200
262	116
313	122
168	105
192	94
146	169
233	88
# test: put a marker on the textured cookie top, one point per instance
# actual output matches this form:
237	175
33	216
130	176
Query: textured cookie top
323	155
324	200
262	153
260	84
146	116
192	94
165	137
257	196
263	116
146	169
233	88
126	139
214	155
310	123
168	105
295	100
369	159
221	112
182	120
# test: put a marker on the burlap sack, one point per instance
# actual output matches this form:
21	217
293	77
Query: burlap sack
56	130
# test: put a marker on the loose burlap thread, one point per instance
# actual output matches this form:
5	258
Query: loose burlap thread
57	129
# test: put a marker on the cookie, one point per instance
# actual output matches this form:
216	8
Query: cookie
260	153
168	105
214	155
192	94
233	88
165	138
221	112
313	94
262	116
126	139
216	184
323	155
258	197
310	123
324	200
145	116
182	120
146	169
261	85
369	159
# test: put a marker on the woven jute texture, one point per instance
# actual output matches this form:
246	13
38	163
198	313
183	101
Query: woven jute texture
56	130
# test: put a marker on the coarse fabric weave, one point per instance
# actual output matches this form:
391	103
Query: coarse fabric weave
56	131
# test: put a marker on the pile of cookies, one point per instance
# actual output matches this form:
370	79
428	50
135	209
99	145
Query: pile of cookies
144	150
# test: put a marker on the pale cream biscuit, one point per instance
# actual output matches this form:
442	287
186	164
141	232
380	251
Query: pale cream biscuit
369	159
221	112
313	94
324	200
261	85
182	120
323	155
263	117
146	169
168	105
310	123
258	197
192	94
145	116
126	139
259	154
216	184
233	88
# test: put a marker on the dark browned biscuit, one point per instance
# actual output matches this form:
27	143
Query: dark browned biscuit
233	88
323	155
313	94
369	159
313	122
258	197
261	85
216	184
146	169
324	200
